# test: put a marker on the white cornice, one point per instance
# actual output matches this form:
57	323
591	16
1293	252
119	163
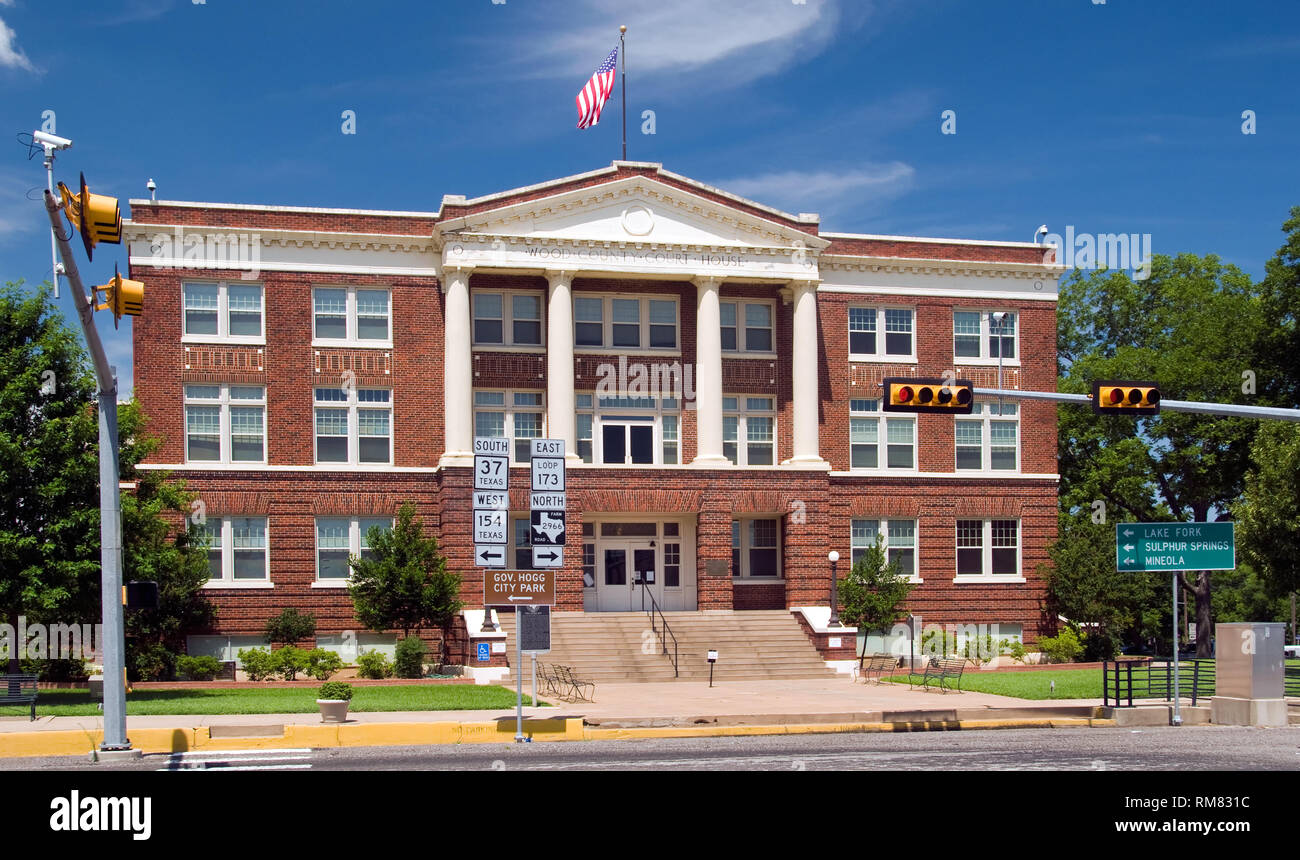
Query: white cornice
974	268
935	240
141	203
134	231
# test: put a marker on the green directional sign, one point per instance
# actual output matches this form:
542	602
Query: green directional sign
1174	546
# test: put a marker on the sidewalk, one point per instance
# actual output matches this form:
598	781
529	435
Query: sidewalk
674	709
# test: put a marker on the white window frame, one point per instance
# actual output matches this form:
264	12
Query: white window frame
744	576
880	355
742	414
607	324
224	403
508	320
354	406
350	317
355	548
981	415
225	544
223	334
509	408
883	420
986	323
649	415
855	545
986	558
742	337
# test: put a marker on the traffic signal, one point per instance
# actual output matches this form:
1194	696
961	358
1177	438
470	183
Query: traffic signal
1120	397
96	216
909	394
121	296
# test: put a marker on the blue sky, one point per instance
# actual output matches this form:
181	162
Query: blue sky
1122	116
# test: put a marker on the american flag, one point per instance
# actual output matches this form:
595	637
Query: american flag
591	98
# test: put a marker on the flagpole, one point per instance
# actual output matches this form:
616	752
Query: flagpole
622	54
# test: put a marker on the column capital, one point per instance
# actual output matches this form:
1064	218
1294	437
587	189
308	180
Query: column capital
452	271
804	284
554	276
704	282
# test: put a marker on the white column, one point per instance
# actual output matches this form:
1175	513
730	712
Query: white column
708	375
804	377
559	362
457	370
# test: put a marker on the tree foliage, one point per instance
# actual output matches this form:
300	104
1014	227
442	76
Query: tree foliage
873	594
1269	512
290	627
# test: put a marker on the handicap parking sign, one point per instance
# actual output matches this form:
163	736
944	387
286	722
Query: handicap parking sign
484	652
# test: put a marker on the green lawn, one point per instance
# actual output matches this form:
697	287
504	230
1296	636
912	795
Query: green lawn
1070	683
276	700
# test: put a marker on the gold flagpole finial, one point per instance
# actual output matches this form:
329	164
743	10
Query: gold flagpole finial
622	28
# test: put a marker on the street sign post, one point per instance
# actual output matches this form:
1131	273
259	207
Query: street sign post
1163	547
519	588
491	503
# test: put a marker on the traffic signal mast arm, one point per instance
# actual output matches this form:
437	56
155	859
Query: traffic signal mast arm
1229	409
85	304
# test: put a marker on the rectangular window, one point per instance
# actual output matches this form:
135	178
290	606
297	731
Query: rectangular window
515	415
588	321
749	430
870	431
341	538
988	548
626	329
730	334
223	311
672	565
526	319
618	322
354	426
621	431
351	315
899	542
989	438
507	319
663	323
487	318
746	326
225	424
755	549
984	335
865	326
237	548
331	313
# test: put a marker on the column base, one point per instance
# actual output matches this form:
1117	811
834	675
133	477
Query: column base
572	459
807	462
1232	711
714	461
456	458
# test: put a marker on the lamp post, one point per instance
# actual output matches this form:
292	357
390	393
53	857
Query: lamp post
834	558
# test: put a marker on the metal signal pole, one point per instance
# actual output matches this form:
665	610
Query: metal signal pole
622	58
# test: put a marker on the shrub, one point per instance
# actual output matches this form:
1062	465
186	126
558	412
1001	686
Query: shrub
198	668
259	664
1062	648
373	664
290	627
936	642
335	690
1101	645
56	670
409	661
1015	648
321	664
154	663
289	661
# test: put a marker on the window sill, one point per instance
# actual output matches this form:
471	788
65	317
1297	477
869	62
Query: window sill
331	583
221	584
738	353
352	344
355	467
882	359
207	464
988	579
213	340
756	580
986	473
984	362
496	347
615	351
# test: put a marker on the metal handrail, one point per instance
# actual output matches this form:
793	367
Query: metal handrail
1154	679
667	631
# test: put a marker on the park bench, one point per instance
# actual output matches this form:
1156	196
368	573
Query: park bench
19	690
569	686
941	672
876	666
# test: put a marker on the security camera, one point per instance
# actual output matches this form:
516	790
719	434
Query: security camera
151	185
1041	231
999	316
53	140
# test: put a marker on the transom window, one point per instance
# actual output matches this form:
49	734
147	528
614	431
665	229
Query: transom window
877	332
628	431
516	415
755	549
988	442
746	326
237	548
988	548
899	542
354	425
225	423
351	314
984	334
223	311
340	538
749	430
618	322
508	319
877	441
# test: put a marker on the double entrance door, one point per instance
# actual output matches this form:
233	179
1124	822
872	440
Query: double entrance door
624	569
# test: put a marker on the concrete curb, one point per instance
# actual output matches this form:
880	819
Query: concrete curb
176	740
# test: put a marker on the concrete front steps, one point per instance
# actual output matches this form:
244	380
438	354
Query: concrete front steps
612	646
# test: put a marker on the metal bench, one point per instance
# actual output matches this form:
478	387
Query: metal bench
19	690
877	666
570	686
940	672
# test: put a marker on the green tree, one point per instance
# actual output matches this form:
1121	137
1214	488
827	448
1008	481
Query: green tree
1194	326
1268	513
873	594
406	585
290	627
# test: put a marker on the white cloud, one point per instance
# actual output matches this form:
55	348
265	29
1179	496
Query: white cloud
739	40
856	189
18	213
12	56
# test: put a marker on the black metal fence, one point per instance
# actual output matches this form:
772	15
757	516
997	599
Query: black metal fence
1292	680
1127	680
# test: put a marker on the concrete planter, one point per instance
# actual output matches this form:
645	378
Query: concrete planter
333	710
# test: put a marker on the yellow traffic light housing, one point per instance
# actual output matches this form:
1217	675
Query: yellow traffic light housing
911	394
1124	397
96	216
121	296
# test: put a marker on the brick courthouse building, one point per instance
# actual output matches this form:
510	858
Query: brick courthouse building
711	363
